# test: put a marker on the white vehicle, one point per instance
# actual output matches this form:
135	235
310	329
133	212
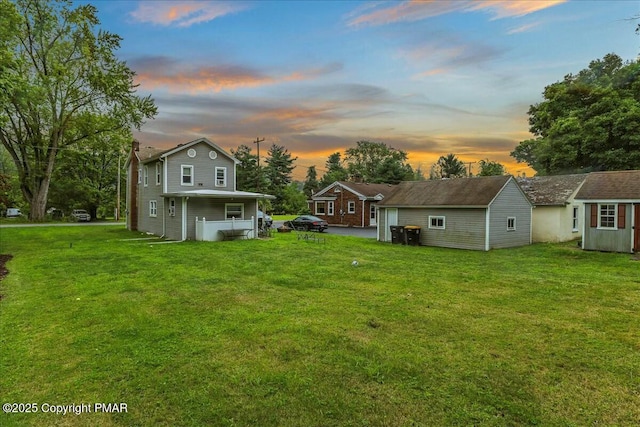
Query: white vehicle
80	215
13	212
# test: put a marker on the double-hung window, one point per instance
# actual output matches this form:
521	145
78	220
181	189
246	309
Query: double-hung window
320	208
153	208
221	177
575	221
146	175
607	216
187	175
158	173
351	207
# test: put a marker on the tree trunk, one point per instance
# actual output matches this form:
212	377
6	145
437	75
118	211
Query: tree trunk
39	202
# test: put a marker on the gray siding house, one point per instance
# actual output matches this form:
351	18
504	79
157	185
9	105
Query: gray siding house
188	192
480	213
612	211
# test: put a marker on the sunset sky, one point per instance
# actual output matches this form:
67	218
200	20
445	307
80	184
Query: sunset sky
427	77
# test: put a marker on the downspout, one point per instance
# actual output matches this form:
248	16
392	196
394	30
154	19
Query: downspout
487	228
164	215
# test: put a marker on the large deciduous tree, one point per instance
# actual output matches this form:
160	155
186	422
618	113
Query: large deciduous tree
587	122
376	162
60	85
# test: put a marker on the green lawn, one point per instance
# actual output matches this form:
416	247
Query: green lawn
286	332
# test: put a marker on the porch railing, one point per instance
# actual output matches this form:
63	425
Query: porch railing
217	230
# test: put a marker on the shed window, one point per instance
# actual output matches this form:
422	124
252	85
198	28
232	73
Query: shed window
575	218
437	222
607	214
511	223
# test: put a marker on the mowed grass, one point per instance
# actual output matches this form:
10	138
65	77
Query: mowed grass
286	332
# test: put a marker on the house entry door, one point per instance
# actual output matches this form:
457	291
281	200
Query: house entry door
636	228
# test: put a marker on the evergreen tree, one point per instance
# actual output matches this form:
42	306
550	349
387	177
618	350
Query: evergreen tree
278	173
335	171
311	183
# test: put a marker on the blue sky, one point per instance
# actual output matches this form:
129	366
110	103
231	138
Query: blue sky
427	77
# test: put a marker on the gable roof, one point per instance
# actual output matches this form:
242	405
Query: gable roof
459	192
551	190
157	153
614	185
363	190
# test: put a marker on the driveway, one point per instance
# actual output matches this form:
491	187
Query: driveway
369	232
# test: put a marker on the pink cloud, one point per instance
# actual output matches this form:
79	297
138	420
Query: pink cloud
417	10
183	14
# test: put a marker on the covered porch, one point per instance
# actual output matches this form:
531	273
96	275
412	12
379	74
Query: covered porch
212	215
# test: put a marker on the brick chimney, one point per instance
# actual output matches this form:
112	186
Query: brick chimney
133	186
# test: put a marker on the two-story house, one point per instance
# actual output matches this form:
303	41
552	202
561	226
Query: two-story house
188	193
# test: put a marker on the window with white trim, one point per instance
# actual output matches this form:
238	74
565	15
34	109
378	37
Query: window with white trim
437	222
511	223
575	221
330	208
153	208
139	175
351	207
607	216
187	175
172	207
320	208
146	175
221	177
158	173
234	210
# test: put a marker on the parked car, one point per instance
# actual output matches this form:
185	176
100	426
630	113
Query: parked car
80	215
309	222
13	213
267	220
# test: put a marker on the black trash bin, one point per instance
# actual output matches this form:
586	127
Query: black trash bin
413	235
397	235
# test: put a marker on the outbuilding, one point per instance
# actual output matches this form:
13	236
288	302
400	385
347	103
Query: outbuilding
612	211
479	213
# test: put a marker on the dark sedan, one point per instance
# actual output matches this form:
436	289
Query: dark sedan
308	222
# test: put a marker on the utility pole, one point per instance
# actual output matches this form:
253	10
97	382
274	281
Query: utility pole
117	215
470	163
257	142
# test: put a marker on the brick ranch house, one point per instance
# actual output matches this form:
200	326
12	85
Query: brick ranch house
350	204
